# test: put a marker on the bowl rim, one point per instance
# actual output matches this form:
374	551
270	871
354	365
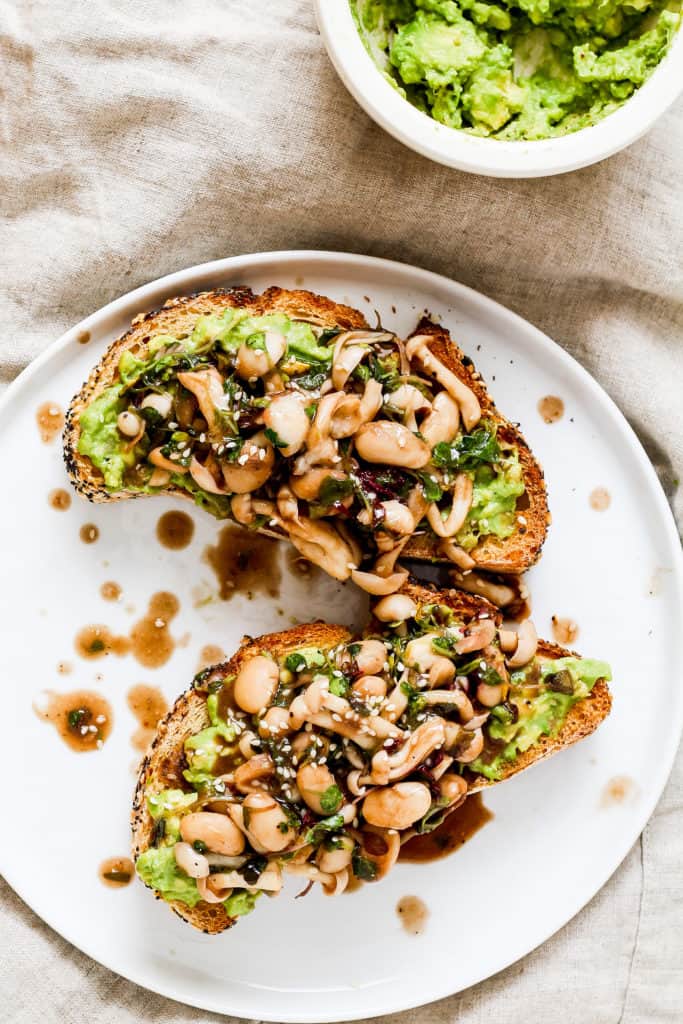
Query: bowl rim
491	157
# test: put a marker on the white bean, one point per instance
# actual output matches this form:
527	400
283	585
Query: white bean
255	684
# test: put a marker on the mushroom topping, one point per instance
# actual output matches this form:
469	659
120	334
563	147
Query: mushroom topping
130	424
349	350
527	643
194	864
442	422
371	656
468	403
456	554
508	640
157	458
370	687
479	634
207	387
381	847
397	518
205	478
408	400
253	466
371	583
321	544
452	788
391	444
217	831
395	608
307	487
497	593
420	653
270	880
248	776
314	781
162	404
397	806
462	500
159	478
266	823
285	416
245	508
259	354
256	683
371	402
338	858
427	738
474	748
491	694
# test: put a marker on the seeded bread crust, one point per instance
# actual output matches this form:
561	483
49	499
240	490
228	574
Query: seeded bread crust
177	317
163	763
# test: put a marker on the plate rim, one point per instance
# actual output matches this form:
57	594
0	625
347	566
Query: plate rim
185	281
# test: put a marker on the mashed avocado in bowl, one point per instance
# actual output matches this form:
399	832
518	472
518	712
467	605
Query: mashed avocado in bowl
524	71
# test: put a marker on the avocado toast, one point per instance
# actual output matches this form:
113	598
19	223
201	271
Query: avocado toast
315	753
287	413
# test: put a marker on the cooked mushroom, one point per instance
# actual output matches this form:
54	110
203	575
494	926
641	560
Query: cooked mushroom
257	356
247	777
442	422
207	387
480	633
462	500
387	768
391	444
194	864
286	417
527	643
307	487
253	466
408	400
397	806
205	478
371	583
157	458
395	608
468	403
321	544
454	553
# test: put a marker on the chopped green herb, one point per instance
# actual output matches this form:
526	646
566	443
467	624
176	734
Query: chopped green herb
363	868
331	799
469	450
316	834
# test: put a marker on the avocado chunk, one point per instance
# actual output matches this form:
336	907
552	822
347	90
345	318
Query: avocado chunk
100	440
158	869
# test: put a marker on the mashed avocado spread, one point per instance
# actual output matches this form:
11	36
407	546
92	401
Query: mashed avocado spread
528	70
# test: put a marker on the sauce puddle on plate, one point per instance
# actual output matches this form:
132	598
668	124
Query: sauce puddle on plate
413	914
599	499
116	872
450	835
50	420
211	654
59	499
150	641
149	706
82	718
110	591
565	631
244	563
89	533
175	530
551	409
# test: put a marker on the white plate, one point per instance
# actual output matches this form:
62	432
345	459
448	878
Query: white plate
617	573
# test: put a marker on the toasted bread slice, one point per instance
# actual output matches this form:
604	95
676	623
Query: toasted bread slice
177	317
163	764
581	720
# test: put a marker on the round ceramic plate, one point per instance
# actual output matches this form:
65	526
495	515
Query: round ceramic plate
615	572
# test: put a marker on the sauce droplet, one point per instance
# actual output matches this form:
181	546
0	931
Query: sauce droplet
110	591
82	718
150	640
600	499
149	706
300	566
116	872
551	409
617	790
50	420
460	825
96	641
413	914
89	533
59	499
565	631
83	338
244	563
64	668
211	654
175	530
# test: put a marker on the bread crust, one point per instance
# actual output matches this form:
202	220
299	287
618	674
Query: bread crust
177	316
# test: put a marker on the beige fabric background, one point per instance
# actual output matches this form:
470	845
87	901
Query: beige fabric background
142	137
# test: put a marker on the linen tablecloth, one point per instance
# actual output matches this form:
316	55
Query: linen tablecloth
142	137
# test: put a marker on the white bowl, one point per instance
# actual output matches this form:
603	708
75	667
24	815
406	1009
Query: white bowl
492	157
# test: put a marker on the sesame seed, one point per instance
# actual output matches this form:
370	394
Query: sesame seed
100	719
159	623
